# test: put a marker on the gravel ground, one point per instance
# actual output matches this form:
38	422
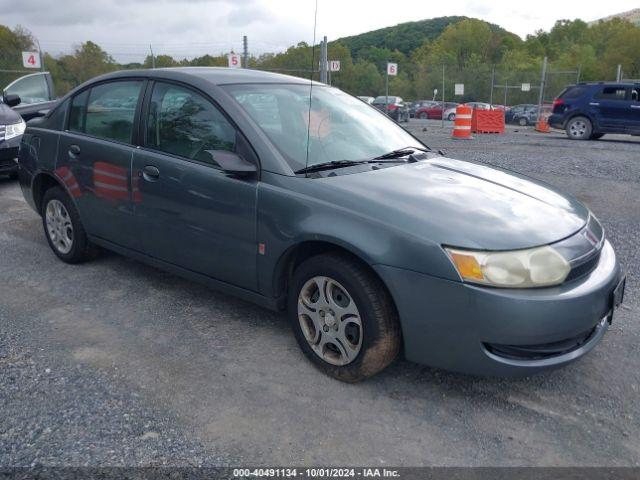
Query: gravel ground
117	363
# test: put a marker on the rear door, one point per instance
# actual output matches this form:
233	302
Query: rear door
94	158
189	212
633	125
610	105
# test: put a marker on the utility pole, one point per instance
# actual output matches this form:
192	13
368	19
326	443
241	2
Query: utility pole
386	89
245	52
153	58
579	73
324	63
493	77
543	81
619	73
442	116
40	55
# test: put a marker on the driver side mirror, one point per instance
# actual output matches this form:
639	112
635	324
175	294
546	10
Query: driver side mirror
232	163
11	99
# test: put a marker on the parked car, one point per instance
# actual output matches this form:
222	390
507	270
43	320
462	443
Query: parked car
434	111
587	111
11	129
36	94
418	104
450	113
395	107
368	100
513	113
368	238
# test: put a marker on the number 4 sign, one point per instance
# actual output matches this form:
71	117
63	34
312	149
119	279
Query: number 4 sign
31	59
392	69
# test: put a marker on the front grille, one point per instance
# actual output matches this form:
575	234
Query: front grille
541	351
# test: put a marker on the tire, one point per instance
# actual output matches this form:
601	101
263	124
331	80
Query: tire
523	122
424	116
356	344
579	128
596	136
451	117
63	229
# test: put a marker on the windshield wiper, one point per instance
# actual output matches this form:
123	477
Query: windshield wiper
401	152
329	165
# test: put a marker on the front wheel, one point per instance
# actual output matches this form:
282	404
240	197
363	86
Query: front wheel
63	228
451	117
424	116
523	122
343	317
579	128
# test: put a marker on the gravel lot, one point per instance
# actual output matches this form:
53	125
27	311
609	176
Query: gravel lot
117	363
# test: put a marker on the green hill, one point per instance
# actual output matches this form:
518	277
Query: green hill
632	16
404	37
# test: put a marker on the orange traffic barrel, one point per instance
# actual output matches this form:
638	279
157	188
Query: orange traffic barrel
462	122
542	125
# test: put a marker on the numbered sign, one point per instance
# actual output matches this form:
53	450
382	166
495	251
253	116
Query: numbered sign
234	60
459	88
334	65
526	87
31	59
392	69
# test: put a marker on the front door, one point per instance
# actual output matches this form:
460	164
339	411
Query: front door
189	212
94	158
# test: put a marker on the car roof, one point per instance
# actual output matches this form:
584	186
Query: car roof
213	75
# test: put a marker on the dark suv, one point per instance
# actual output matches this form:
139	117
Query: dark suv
587	111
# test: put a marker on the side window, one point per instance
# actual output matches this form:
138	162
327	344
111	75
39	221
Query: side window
182	122
31	89
111	109
635	94
78	111
612	93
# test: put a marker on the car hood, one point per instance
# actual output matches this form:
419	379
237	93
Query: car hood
7	115
463	204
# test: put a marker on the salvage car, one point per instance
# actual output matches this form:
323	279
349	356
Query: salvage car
302	198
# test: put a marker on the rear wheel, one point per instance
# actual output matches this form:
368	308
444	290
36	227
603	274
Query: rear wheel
63	228
451	117
424	116
579	128
343	317
522	121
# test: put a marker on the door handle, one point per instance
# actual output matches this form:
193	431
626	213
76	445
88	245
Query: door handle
150	173
74	151
594	104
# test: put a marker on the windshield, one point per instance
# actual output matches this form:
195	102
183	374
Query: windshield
341	127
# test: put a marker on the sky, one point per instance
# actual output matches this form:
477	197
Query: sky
187	28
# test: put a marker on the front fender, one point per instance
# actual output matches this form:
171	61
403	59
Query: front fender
287	218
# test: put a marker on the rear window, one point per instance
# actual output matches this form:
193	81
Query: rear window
612	93
573	92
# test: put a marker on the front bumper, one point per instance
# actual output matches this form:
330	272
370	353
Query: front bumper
464	328
8	153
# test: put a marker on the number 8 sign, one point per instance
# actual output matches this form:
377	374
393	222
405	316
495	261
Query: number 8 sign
392	69
31	59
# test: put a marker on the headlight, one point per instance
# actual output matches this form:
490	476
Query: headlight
14	130
535	267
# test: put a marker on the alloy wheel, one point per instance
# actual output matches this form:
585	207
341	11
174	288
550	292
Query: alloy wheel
578	129
59	226
330	320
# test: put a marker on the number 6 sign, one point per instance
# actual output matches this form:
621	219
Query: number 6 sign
392	69
31	59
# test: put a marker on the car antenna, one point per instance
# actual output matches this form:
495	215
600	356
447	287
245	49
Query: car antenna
313	61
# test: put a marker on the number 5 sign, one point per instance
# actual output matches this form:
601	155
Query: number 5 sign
234	60
31	59
392	69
